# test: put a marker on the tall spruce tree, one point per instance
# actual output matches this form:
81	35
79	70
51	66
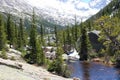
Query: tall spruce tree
2	34
13	38
33	40
10	31
59	60
56	35
68	36
40	54
21	35
16	35
84	43
42	35
76	29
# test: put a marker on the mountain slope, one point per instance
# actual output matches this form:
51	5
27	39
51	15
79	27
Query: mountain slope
52	14
112	9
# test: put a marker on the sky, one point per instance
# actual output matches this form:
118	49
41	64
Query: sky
68	7
87	1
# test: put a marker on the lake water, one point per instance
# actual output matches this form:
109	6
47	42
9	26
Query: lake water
93	71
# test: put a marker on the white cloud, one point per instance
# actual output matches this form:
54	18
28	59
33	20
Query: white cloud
67	9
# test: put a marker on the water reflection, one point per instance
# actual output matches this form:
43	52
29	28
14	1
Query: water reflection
85	68
93	71
118	73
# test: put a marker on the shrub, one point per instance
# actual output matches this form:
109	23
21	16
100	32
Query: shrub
3	54
51	66
12	58
65	71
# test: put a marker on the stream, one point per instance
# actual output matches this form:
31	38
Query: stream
93	71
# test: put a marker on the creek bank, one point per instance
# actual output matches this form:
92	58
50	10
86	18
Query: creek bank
103	62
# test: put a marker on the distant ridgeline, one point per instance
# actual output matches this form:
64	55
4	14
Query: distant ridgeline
112	9
48	26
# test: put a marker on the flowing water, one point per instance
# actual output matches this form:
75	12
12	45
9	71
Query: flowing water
93	71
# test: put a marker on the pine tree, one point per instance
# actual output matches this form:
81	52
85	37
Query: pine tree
84	43
57	64
13	38
59	60
64	39
56	35
42	35
16	35
76	30
33	41
21	35
40	55
2	34
68	38
10	31
109	36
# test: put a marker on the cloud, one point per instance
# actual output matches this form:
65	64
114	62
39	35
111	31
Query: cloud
66	8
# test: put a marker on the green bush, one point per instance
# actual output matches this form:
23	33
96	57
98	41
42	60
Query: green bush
12	58
51	66
65	71
22	51
3	54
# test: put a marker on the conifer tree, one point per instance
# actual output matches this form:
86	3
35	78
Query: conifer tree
57	64
42	35
33	39
13	38
9	28
10	31
2	34
59	60
76	30
68	38
40	55
16	35
56	35
36	54
110	30
21	35
84	43
64	39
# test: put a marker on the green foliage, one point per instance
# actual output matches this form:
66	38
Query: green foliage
52	66
92	55
40	55
36	54
42	35
68	36
85	43
2	34
23	51
12	58
110	31
57	65
33	40
65	71
59	60
21	35
3	54
10	31
61	70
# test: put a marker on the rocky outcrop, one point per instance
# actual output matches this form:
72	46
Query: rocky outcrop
15	70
